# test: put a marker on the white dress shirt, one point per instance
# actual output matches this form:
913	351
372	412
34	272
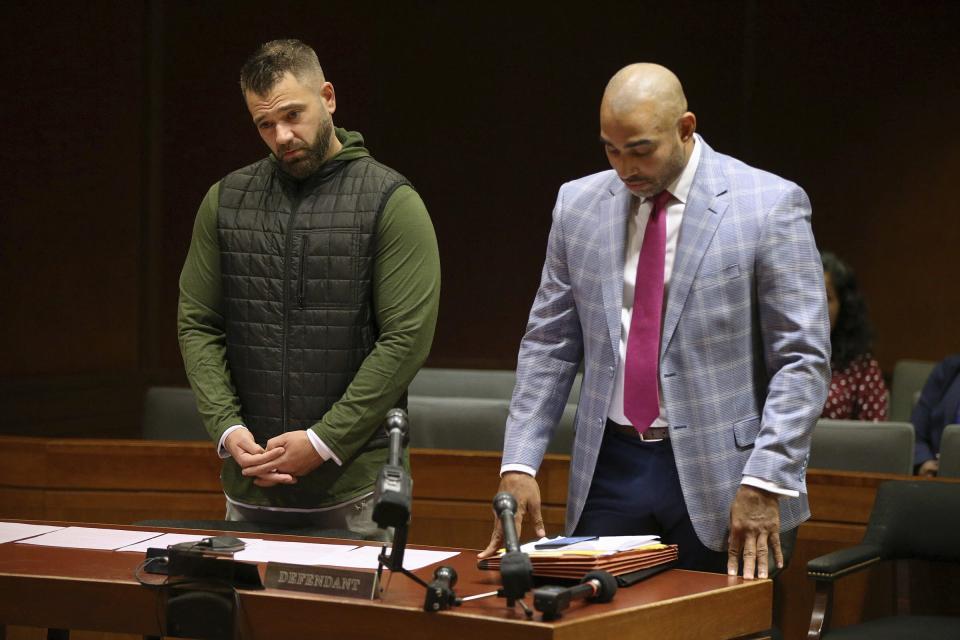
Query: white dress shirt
640	210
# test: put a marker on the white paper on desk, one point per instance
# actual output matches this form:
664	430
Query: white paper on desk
603	543
366	558
91	538
414	559
291	552
11	531
613	543
167	539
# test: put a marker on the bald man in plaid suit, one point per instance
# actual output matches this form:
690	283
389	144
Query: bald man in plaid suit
740	364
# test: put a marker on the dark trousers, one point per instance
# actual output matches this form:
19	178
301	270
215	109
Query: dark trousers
635	491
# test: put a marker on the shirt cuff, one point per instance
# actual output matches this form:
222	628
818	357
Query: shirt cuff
322	449
522	468
221	450
769	486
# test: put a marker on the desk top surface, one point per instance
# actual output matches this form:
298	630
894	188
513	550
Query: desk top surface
23	566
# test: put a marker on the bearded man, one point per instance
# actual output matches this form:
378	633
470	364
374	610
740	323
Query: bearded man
308	302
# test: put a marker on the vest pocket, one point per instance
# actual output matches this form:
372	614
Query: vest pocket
326	265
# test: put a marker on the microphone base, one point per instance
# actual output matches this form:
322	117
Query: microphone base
516	573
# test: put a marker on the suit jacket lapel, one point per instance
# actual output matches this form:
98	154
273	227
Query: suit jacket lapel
613	233
706	205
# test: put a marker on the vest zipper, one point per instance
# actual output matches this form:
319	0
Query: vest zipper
302	278
288	248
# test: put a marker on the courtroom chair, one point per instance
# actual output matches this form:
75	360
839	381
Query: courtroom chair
854	445
473	383
467	409
909	376
911	519
950	452
463	383
170	413
473	424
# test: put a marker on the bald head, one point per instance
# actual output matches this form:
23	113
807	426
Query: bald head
645	128
645	85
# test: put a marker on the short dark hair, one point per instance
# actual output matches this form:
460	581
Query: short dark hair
265	68
852	335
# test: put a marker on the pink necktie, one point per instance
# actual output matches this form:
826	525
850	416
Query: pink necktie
641	391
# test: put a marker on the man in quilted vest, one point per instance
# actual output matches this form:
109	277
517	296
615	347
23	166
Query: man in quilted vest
308	302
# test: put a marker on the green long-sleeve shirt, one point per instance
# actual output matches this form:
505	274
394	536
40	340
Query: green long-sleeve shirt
406	291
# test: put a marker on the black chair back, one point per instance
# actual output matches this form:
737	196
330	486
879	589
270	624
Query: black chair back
916	519
170	413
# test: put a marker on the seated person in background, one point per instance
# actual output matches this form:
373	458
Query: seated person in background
857	390
939	405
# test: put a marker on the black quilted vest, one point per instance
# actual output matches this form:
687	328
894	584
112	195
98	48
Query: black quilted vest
297	267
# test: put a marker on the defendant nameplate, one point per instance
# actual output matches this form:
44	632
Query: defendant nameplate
324	580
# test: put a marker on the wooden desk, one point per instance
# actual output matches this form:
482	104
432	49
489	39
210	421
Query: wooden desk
96	590
123	481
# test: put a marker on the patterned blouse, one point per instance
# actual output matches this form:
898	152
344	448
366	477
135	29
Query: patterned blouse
857	392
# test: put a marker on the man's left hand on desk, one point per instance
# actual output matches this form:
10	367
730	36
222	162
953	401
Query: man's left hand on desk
754	529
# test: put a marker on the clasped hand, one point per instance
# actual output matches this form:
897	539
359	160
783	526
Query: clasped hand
285	458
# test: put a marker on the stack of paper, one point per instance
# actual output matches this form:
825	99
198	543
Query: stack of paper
617	555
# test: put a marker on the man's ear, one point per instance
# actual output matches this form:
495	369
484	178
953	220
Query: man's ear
687	125
329	96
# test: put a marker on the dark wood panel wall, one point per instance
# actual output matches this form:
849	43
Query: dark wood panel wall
119	116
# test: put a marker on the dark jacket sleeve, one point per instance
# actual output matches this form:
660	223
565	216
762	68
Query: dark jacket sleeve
200	324
936	408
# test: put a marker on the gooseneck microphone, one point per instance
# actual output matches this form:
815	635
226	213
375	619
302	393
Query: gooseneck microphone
596	586
392	495
397	428
505	505
516	572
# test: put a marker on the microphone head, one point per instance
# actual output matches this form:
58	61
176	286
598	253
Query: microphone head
446	573
396	419
607	586
504	501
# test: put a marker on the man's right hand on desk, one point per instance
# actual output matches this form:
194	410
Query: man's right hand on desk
526	491
245	450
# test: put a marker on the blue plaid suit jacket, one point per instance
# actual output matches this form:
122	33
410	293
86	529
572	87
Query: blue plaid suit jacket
745	347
